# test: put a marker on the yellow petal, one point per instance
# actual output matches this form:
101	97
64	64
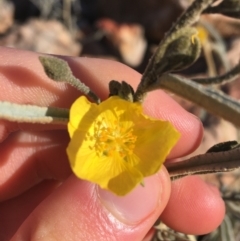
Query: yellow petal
82	114
125	182
154	144
88	166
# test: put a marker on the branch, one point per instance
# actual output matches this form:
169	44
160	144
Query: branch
207	97
33	114
211	162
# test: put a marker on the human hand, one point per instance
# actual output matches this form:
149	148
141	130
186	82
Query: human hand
40	197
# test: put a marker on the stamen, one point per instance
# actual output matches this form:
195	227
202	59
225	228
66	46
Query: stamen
109	141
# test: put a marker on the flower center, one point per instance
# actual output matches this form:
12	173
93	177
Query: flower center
111	139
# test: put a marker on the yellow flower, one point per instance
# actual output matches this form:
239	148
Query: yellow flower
115	145
202	34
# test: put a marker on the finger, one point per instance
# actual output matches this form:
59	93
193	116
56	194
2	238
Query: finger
15	211
193	207
78	210
27	158
24	81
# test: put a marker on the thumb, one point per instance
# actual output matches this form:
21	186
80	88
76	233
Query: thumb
79	210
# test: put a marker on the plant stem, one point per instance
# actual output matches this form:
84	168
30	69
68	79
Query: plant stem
33	114
207	97
212	162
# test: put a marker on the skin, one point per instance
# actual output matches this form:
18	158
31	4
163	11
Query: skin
40	197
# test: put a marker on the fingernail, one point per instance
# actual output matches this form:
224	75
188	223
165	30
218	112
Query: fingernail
137	205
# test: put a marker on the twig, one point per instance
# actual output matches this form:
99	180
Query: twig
179	30
33	114
230	8
212	162
214	101
222	79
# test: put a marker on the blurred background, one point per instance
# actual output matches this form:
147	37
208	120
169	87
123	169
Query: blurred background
129	32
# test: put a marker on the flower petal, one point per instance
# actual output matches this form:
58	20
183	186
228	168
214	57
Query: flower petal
125	182
82	114
88	166
154	144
